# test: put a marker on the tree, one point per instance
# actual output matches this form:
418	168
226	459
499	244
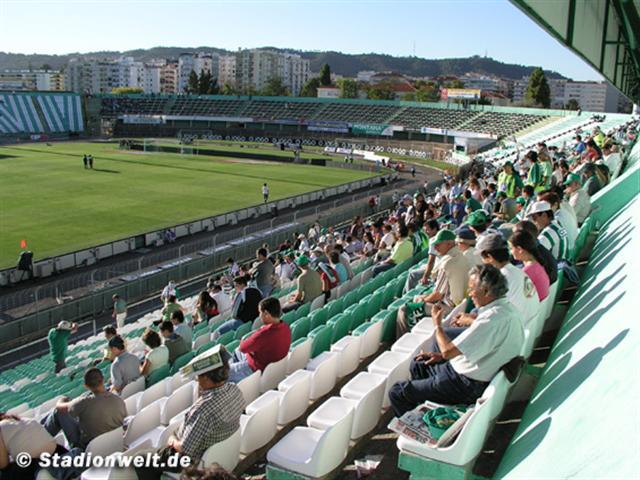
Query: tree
275	88
325	75
454	84
427	91
126	90
207	85
538	92
572	104
381	91
46	66
348	88
228	89
310	89
193	85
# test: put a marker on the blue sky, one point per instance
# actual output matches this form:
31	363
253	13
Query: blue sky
437	28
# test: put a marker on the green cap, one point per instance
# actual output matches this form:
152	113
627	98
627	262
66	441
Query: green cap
477	218
443	236
521	200
573	177
507	164
302	260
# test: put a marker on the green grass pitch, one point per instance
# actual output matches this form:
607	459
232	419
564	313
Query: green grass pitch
51	201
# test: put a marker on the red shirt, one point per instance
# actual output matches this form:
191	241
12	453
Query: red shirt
268	345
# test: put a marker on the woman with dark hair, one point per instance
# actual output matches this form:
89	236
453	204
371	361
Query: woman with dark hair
357	228
593	152
206	308
524	248
157	356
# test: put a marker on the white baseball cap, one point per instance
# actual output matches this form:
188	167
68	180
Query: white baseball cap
538	207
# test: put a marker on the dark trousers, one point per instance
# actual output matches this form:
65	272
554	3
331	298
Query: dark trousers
59	365
438	383
382	267
56	421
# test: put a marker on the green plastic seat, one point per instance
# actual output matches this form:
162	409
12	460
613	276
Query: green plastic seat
321	338
318	317
206	346
181	361
289	317
334	307
300	328
373	305
350	298
389	326
227	337
158	375
341	326
303	310
358	315
242	330
389	293
361	329
232	346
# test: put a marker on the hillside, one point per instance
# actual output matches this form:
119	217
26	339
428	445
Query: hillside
341	63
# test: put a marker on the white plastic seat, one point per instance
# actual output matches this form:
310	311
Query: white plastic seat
133	388
371	340
175	382
410	343
312	452
324	371
348	349
151	394
179	400
367	391
132	403
273	374
144	421
468	444
299	356
260	423
343	289
157	437
394	366
107	443
316	303
18	409
226	453
45	407
250	387
424	327
294	396
200	341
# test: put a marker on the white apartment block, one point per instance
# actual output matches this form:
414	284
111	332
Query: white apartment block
254	68
226	70
102	76
197	62
556	89
24	80
365	76
169	78
485	83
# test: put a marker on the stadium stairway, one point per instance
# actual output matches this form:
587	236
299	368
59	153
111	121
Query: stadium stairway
42	117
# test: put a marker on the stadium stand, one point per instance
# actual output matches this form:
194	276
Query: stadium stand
40	113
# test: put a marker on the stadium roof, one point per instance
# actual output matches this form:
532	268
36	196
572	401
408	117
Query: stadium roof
605	33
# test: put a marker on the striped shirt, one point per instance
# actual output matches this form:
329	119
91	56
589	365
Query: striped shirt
554	238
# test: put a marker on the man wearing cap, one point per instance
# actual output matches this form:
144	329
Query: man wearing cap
309	285
125	367
578	198
58	339
213	417
463	367
451	277
269	344
478	221
508	181
466	242
401	251
563	214
551	235
522	292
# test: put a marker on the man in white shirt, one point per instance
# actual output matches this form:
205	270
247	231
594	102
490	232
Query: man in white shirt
222	299
464	366
578	198
564	216
265	192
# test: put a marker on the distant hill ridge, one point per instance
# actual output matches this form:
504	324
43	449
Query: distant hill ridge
341	63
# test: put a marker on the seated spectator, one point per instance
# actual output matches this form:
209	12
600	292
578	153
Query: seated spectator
353	246
525	250
171	306
402	251
109	332
334	259
521	292
176	345
285	268
388	238
329	278
551	235
23	435
563	214
464	366
611	158
471	203
181	327
508	207
263	272
215	472
449	288
593	184
423	275
206	308
549	263
269	344
419	239
578	197
466	243
170	290
213	417
309	285
125	367
369	247
222	299
344	259
478	221
157	356
245	306
84	418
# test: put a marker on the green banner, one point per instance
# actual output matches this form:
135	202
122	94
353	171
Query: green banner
370	129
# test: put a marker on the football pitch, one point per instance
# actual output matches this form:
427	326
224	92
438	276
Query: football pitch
50	200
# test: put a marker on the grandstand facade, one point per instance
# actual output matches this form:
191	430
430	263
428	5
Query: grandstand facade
40	113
